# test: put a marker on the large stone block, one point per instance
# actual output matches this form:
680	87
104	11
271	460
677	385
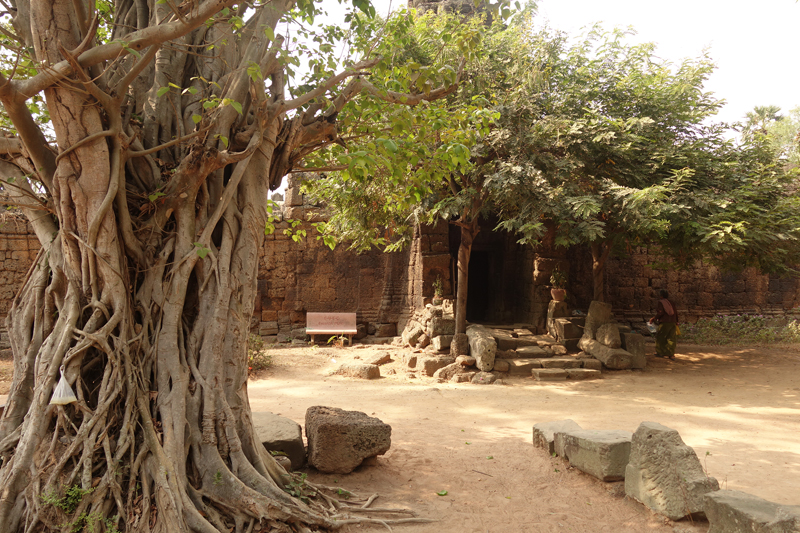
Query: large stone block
339	440
599	314
386	330
280	434
544	433
549	374
600	453
358	370
446	373
429	365
482	347
608	335
442	342
665	474
634	344
731	511
412	333
442	326
565	328
583	373
616	359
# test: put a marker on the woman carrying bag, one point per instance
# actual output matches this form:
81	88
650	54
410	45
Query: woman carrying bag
667	320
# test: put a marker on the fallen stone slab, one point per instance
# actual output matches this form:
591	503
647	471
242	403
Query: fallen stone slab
561	362
339	440
380	358
442	342
583	373
447	372
429	365
544	433
280	434
565	328
358	370
600	453
483	378
613	358
665	474
504	340
549	374
634	344
522	366
482	347
412	333
732	511
608	335
528	352
465	360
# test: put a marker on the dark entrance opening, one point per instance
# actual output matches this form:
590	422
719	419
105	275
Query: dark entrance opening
478	287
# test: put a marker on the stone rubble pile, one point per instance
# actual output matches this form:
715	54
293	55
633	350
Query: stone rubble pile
663	473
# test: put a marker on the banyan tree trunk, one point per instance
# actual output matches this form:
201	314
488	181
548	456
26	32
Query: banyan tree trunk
600	251
150	207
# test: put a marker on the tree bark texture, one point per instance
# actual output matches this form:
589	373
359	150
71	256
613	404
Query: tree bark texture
600	251
150	206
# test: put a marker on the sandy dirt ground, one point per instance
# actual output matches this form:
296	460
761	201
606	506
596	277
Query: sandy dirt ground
739	408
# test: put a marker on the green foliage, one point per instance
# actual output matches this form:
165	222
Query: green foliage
296	486
741	330
558	279
438	287
258	356
69	501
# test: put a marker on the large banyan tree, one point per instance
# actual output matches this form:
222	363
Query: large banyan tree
142	138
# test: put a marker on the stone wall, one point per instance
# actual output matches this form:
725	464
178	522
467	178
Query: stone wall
18	249
700	291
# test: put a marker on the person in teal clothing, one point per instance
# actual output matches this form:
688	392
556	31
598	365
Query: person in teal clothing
667	320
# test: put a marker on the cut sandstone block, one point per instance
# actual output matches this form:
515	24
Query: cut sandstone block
549	374
280	434
523	366
482	347
591	363
339	440
583	373
526	352
600	453
544	433
561	362
731	511
665	474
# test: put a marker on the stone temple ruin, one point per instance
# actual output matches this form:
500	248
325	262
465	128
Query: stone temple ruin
508	283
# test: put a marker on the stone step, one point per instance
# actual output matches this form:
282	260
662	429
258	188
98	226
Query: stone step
549	374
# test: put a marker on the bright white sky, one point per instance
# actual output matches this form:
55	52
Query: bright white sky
754	43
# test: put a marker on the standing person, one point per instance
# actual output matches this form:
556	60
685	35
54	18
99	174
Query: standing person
667	319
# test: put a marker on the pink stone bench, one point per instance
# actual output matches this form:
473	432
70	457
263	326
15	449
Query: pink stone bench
331	324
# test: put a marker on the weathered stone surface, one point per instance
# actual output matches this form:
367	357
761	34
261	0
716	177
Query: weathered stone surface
583	373
565	328
358	370
549	374
559	349
410	359
599	314
608	335
380	358
634	344
544	433
412	333
591	363
462	378
483	378
339	440
555	310
617	359
482	347
447	372
501	365
665	474
465	360
429	365
522	366
442	342
527	352
731	511
280	434
459	345
561	362
600	453
268	328
442	326
423	341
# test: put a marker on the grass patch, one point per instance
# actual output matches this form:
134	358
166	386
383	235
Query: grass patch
744	329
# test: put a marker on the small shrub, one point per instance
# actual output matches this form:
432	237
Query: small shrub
741	329
258	356
67	503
